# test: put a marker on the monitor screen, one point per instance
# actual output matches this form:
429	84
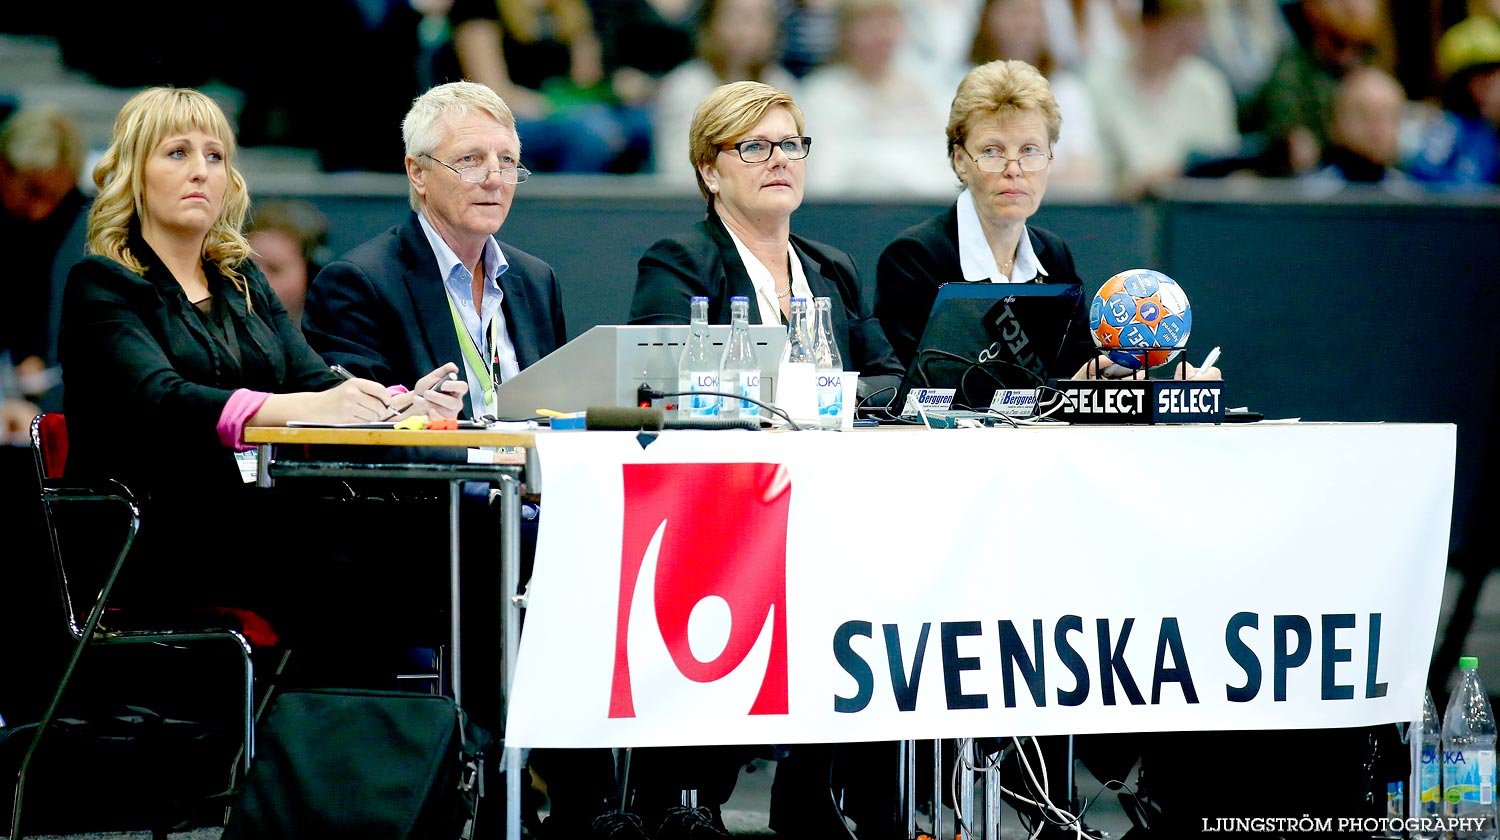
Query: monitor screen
983	337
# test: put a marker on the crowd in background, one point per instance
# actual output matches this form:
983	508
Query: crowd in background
1333	91
1327	92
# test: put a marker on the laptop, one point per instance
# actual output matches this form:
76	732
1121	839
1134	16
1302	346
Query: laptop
605	366
986	337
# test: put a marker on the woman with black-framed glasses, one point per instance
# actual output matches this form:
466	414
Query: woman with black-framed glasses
749	151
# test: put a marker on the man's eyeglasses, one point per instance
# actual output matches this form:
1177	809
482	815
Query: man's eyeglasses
479	174
990	160
759	151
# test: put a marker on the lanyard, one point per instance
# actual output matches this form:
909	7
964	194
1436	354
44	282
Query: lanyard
474	357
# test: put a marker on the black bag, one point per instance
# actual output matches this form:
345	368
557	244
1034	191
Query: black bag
361	764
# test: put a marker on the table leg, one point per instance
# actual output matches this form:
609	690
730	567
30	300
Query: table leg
455	490
263	465
963	798
908	772
937	787
991	799
510	559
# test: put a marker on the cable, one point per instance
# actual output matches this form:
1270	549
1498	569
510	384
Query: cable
839	812
1040	789
646	393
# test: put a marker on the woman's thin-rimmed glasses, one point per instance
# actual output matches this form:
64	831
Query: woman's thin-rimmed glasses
759	150
479	174
990	160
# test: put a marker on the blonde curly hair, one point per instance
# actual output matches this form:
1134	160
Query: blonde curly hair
149	117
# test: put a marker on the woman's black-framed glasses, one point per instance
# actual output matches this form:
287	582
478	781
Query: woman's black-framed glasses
759	150
990	160
479	174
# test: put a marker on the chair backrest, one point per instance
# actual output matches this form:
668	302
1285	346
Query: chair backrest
49	444
83	573
88	565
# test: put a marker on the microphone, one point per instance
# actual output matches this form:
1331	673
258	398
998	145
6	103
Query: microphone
715	423
613	419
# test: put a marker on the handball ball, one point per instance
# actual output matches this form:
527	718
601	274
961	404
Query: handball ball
1140	308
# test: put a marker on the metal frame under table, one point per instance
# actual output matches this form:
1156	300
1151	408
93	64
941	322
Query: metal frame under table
508	473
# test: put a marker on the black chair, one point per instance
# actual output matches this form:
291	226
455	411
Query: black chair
86	582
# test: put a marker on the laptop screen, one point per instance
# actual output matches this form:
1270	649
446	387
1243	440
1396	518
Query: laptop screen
983	337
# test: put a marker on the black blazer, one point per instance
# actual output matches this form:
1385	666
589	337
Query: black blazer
704	261
382	312
147	381
925	256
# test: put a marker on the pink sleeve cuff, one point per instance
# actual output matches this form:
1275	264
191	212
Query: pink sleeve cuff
241	407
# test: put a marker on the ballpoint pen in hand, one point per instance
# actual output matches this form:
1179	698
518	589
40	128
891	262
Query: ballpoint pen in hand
343	373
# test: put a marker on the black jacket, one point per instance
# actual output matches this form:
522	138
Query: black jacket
382	312
703	260
147	380
925	257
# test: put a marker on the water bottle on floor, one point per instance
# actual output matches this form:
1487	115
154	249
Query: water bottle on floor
1425	785
1395	798
1469	755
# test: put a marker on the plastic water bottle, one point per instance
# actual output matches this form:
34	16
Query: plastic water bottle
739	370
1426	784
796	379
1395	800
698	369
1393	792
830	366
1469	754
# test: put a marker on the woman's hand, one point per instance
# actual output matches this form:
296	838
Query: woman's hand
1103	367
352	401
1209	373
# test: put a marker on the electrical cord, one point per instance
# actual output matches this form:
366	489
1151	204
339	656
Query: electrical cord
645	393
921	376
839	812
1045	807
858	403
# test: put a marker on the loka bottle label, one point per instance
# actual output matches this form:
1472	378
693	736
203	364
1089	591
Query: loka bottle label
749	388
702	405
1469	776
830	395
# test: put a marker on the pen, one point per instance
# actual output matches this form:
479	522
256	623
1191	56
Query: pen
1208	361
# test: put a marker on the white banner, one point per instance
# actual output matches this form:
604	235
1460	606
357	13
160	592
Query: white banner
741	587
